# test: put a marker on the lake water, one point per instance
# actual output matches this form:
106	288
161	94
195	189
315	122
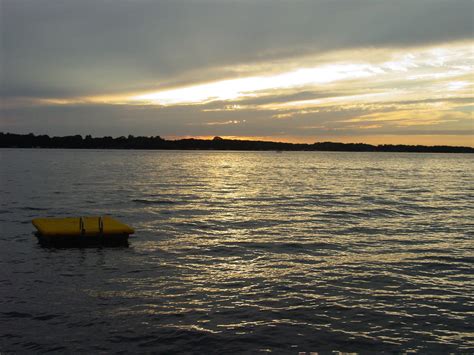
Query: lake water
241	252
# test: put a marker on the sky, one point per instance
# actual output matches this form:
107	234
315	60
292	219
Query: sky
372	71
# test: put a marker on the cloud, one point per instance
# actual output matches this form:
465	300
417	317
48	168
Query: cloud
86	47
291	70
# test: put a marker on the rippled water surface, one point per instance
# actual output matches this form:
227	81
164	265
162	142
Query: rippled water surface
241	252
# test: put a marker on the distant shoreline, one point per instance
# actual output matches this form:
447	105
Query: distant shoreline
10	140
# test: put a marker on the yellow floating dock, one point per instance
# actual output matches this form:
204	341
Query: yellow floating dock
82	230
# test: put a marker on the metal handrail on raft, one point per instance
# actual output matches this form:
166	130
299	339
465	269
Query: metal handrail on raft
101	225
82	227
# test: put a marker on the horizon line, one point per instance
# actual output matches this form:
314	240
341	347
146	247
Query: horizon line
231	139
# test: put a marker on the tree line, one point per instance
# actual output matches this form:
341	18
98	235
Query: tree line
11	140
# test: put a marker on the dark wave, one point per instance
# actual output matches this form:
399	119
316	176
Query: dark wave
29	208
153	202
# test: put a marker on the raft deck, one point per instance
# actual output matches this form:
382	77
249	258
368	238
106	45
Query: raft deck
82	231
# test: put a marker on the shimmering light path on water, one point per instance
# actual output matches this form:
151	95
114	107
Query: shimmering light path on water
241	251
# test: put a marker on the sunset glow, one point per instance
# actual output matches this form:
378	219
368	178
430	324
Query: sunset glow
409	87
448	68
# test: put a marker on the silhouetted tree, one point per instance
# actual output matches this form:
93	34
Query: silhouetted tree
10	140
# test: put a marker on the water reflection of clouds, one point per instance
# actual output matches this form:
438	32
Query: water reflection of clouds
341	240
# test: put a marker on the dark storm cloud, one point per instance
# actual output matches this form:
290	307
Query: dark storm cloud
86	47
282	97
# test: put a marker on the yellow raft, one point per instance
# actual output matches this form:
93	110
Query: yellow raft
82	230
